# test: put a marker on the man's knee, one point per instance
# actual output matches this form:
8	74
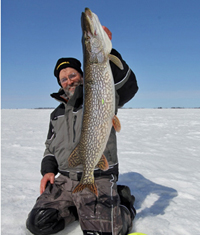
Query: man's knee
44	221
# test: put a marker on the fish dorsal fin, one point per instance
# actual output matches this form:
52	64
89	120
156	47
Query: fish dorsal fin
103	164
116	61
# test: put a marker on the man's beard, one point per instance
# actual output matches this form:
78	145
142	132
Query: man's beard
69	93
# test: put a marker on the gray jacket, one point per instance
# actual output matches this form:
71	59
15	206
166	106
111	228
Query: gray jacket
65	125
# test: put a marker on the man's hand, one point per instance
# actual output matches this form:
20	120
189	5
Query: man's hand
46	178
108	32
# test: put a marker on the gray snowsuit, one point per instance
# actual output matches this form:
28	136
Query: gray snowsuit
57	206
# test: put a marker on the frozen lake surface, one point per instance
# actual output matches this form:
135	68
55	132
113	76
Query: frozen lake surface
159	155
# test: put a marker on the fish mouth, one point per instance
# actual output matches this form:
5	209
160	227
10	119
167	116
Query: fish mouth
88	12
87	22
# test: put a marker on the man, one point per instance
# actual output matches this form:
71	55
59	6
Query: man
112	211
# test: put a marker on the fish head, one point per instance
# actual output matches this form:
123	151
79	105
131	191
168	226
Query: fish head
95	40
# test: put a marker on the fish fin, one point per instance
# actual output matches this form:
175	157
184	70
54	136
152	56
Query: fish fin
116	61
103	163
74	159
116	123
91	187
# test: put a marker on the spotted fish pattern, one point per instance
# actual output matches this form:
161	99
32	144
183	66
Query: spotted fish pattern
99	103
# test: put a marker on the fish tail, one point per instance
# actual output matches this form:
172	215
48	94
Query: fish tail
91	187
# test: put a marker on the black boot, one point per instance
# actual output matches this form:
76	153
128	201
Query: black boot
44	221
127	199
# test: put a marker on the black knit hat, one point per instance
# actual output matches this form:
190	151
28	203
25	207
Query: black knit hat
63	63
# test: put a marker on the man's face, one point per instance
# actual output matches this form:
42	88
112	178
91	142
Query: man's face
69	79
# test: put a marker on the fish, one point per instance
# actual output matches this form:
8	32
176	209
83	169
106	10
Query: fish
98	102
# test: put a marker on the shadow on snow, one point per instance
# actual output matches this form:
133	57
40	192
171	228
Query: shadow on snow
142	188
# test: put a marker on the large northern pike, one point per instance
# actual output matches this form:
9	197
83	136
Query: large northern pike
99	102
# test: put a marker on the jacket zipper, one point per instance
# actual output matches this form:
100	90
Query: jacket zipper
74	130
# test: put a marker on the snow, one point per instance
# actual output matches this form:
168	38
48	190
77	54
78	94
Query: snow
159	159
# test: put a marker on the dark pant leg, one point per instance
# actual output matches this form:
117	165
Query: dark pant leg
103	214
53	209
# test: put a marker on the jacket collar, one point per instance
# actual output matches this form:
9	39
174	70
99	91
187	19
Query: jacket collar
75	101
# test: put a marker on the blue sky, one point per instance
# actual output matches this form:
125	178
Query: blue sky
159	39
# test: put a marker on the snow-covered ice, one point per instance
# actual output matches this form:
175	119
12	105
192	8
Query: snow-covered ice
159	155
